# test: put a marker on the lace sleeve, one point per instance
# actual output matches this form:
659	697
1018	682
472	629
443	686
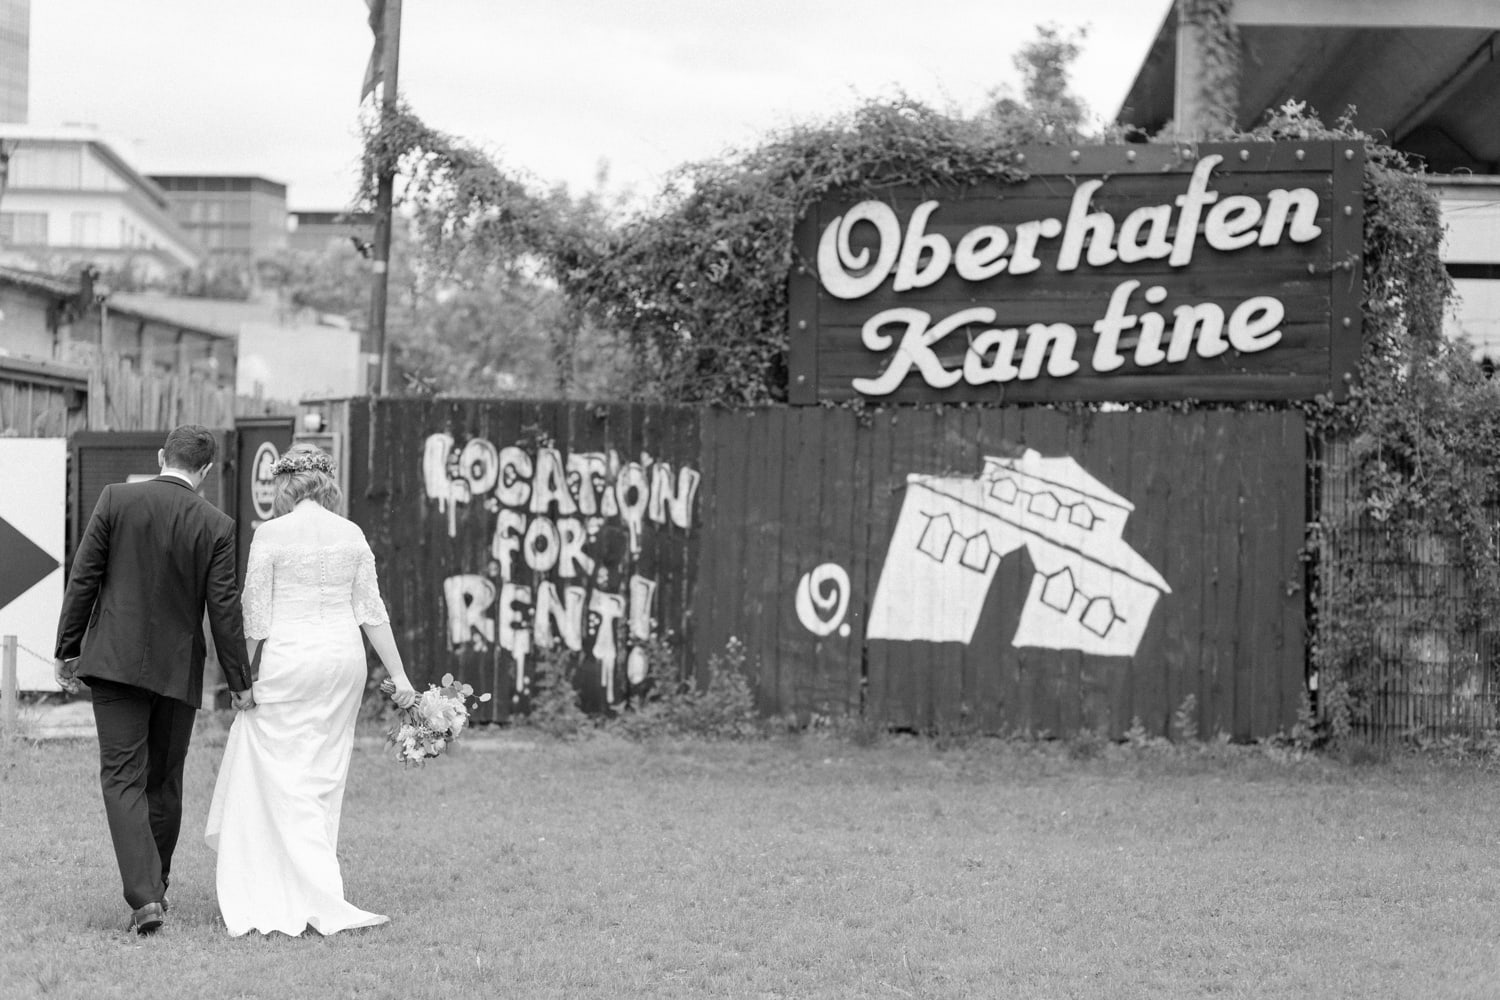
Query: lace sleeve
256	599
369	609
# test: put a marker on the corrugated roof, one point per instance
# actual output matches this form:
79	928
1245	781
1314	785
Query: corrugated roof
45	283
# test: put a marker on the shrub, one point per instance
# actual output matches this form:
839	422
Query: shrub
554	707
723	709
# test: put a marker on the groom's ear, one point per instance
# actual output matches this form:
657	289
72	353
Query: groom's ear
161	457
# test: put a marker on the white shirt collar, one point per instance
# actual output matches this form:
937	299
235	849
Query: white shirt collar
177	476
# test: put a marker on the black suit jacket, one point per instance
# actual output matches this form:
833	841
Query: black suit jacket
154	557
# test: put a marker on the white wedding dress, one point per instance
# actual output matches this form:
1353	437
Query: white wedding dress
274	820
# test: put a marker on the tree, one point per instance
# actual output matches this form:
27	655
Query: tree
462	326
1045	65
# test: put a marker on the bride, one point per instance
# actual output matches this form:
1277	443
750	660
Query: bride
310	588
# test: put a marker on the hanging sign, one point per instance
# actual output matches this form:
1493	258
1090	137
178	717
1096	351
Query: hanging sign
1128	272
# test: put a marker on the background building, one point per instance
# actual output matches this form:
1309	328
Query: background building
71	199
15	59
283	355
72	358
239	216
1423	75
316	231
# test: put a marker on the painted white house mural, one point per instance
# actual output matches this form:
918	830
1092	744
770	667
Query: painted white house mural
1098	568
1091	591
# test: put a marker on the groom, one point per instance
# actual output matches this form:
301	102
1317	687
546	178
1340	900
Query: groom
154	557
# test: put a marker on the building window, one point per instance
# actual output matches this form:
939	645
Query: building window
23	228
43	167
85	229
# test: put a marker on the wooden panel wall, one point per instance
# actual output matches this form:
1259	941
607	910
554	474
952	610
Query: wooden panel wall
448	523
793	500
1219	508
1313	283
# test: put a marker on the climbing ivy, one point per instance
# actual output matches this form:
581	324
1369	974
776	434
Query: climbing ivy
695	285
1411	471
700	286
1219	55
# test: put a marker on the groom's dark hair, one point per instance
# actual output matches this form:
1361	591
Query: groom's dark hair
190	447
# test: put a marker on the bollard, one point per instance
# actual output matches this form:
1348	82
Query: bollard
10	708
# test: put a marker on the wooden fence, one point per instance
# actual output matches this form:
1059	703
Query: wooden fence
995	569
123	399
41	399
52	400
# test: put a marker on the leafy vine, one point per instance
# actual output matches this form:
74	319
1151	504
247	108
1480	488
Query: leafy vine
1410	468
696	288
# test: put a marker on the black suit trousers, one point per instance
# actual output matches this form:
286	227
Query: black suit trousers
143	743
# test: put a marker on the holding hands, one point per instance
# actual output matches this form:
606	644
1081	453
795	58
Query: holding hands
66	674
405	696
242	699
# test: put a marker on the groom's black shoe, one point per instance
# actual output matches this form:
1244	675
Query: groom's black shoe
148	919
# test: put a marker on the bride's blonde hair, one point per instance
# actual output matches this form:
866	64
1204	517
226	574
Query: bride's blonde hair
305	471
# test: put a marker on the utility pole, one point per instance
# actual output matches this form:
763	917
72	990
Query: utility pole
390	58
6	148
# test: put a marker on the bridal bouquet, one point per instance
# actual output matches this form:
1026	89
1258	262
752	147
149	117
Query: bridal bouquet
433	721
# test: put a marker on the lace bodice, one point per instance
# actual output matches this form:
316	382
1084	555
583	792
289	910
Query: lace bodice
310	567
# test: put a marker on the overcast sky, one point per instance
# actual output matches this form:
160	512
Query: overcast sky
550	87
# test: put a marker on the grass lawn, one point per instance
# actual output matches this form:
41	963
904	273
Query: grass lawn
525	868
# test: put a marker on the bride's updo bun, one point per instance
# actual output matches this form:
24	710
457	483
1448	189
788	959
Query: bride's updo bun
305	472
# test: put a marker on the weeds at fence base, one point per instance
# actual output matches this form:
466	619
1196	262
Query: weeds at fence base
725	709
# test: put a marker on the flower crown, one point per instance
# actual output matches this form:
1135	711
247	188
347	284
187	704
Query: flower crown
302	462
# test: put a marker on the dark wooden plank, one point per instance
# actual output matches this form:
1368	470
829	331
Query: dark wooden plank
1293	630
1301	350
763	586
1171	542
803	548
802	293
1045	431
1095	441
1139	450
867	555
978	668
635	436
1229	531
1013	582
727	436
1181	614
1220	577
994	649
1049	194
1068	669
842	531
1265	565
678	442
949	455
887	490
910	662
708	605
1263	512
1227	388
1130	456
1301	282
1347	288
